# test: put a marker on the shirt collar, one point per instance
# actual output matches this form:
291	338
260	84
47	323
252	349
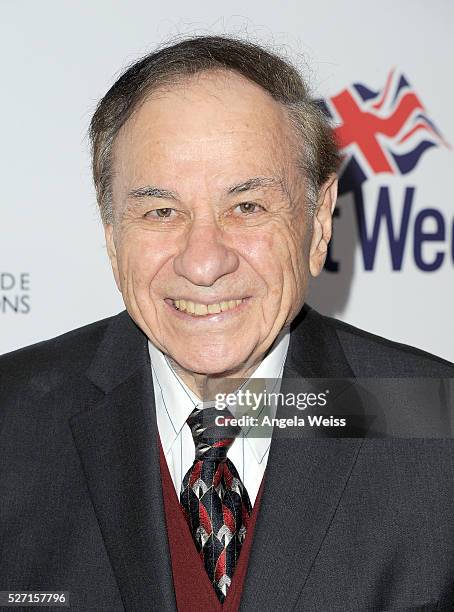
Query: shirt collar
175	401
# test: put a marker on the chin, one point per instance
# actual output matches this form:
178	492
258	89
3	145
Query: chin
212	362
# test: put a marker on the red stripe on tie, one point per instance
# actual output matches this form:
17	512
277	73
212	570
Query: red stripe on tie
195	474
205	519
220	443
218	475
220	566
229	519
228	478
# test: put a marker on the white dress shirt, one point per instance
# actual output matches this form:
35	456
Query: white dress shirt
175	402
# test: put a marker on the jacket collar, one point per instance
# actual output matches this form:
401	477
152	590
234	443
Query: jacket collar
315	350
122	351
117	441
304	480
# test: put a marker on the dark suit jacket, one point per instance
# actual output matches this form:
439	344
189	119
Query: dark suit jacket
344	524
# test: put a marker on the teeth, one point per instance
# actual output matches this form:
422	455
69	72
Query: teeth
213	308
199	310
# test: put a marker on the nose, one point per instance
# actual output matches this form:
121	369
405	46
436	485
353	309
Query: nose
205	257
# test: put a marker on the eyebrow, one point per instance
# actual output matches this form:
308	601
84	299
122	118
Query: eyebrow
250	184
150	191
257	182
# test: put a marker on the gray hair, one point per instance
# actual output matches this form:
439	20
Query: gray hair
318	154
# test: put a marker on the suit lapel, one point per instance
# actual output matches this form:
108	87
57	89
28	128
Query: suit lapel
117	442
304	481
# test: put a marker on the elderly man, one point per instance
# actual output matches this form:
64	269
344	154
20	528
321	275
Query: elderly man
216	179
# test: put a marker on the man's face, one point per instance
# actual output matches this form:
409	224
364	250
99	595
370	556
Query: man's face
211	240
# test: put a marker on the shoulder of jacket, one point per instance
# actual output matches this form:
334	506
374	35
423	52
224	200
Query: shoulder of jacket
366	350
43	365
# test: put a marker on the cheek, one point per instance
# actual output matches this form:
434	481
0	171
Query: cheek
277	255
258	249
140	259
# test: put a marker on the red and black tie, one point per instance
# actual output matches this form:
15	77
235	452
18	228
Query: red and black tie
215	501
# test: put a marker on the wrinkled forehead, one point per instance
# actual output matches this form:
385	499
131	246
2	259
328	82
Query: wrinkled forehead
210	129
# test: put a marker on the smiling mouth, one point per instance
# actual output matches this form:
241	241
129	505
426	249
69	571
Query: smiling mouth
198	309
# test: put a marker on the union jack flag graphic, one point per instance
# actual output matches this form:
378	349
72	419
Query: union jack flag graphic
385	131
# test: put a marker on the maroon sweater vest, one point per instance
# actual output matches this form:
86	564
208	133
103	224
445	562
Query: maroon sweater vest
193	590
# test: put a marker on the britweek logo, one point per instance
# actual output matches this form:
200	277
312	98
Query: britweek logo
383	135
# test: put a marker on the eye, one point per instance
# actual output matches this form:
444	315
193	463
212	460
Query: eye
160	213
247	208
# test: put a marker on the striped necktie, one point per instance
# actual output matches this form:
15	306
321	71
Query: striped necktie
215	502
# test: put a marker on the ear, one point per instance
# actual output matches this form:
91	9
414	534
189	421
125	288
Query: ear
112	251
322	225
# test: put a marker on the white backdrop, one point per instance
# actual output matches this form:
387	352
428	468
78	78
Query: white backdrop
59	58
